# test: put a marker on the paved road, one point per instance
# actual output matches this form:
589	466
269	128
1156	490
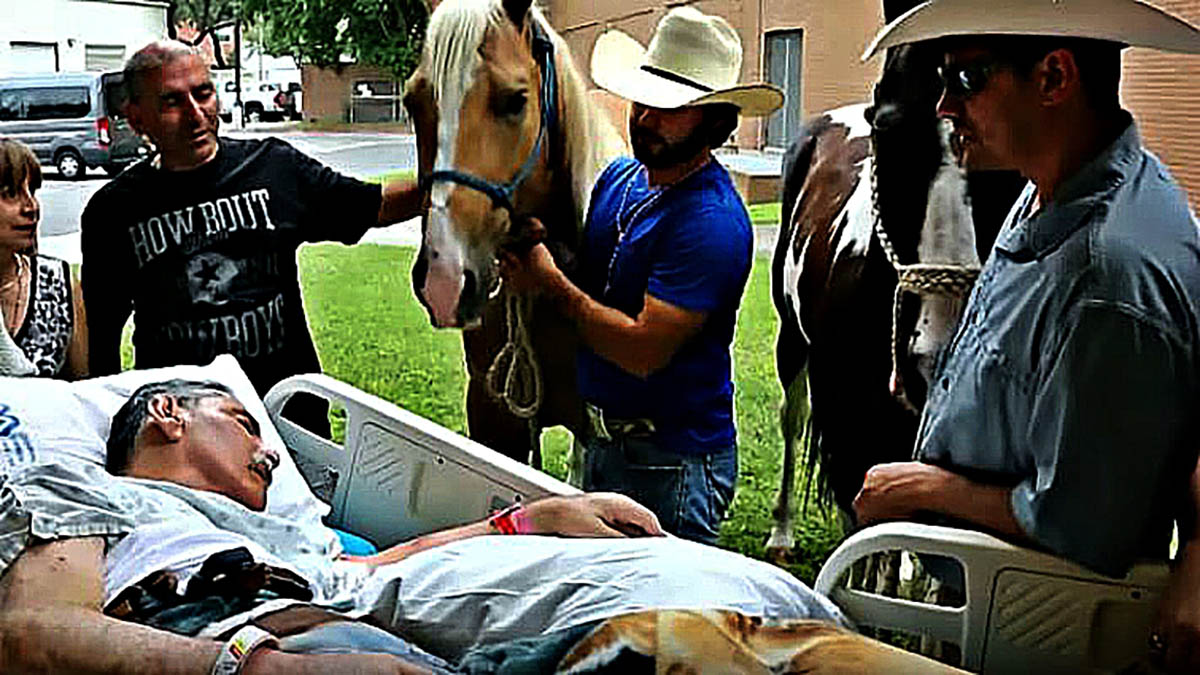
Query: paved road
358	154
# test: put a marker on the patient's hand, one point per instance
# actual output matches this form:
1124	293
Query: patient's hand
599	514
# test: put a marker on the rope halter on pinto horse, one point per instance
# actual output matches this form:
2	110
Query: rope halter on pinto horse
514	370
953	281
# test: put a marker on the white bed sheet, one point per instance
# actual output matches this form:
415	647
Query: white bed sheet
497	588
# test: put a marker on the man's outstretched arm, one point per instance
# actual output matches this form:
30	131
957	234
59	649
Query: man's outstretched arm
51	621
590	515
402	200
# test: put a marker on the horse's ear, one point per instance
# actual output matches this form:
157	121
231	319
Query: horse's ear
517	11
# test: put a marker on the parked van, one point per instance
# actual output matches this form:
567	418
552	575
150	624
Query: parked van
71	120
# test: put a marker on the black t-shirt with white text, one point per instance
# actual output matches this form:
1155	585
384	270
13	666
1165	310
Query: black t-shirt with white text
206	258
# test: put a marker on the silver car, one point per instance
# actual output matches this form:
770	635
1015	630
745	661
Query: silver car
72	121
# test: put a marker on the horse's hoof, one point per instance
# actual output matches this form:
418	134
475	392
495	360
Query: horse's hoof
779	556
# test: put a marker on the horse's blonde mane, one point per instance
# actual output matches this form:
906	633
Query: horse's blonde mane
451	60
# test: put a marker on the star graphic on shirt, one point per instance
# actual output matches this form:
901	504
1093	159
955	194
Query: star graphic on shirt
208	271
210	276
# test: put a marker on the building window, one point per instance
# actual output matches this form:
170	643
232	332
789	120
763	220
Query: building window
103	57
377	101
32	57
783	50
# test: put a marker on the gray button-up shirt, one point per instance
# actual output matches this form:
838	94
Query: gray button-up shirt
1073	375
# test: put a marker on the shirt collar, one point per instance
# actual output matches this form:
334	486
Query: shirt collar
1029	236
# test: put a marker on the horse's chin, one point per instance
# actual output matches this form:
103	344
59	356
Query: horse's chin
473	324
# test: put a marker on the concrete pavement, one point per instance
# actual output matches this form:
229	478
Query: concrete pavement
358	154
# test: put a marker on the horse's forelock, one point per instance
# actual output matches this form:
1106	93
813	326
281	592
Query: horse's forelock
456	31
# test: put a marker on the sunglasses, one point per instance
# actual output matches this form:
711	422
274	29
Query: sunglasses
967	79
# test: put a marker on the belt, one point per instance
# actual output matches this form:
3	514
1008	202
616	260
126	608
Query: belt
606	428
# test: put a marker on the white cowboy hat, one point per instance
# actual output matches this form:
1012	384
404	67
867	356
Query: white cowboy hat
1127	22
693	59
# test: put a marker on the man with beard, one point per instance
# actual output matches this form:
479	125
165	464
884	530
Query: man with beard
665	257
200	240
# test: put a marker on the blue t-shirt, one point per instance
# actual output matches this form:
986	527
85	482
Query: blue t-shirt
688	245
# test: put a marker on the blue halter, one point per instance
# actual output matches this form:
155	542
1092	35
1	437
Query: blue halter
501	194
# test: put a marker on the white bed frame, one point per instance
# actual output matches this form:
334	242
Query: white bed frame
1025	611
399	475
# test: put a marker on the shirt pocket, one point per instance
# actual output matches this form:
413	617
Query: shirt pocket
979	409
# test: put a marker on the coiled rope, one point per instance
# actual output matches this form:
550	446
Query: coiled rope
515	378
953	281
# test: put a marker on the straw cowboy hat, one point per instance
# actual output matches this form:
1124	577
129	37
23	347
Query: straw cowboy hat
1127	22
693	59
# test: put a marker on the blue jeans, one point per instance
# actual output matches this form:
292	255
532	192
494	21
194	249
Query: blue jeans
688	493
353	637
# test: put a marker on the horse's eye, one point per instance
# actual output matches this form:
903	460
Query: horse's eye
512	105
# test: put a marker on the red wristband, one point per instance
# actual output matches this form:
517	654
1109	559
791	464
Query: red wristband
512	520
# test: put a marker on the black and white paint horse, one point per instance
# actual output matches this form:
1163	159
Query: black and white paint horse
867	187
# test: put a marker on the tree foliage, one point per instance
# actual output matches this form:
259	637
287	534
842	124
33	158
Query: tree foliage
383	33
205	17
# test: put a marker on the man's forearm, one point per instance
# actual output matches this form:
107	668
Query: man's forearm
82	640
402	200
904	490
412	547
987	506
609	332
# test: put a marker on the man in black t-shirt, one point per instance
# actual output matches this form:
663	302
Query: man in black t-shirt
200	241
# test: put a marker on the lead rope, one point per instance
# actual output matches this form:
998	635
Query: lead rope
953	281
522	380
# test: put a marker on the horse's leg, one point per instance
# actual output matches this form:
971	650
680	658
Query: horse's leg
791	357
793	423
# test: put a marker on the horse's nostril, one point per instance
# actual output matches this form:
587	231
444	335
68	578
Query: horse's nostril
469	284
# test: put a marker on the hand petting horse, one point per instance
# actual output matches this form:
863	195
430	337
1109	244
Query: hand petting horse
504	132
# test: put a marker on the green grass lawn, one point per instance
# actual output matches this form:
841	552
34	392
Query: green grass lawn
371	332
765	214
389	176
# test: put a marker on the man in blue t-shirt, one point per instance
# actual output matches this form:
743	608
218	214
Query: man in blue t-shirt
665	258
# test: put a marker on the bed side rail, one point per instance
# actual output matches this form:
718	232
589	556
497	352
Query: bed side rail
399	475
1025	611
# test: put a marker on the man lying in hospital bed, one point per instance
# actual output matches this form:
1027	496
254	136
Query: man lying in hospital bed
161	570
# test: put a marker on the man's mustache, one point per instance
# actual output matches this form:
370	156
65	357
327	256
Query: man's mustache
645	136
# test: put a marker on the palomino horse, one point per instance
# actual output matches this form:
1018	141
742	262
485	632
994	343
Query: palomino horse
865	188
504	132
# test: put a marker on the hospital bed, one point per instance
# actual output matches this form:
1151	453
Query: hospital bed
1024	611
391	456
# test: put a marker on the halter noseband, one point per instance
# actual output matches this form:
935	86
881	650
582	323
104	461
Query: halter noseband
501	194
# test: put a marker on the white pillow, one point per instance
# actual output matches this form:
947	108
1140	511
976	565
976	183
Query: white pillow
51	420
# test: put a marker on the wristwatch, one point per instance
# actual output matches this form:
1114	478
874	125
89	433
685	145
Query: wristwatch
238	649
